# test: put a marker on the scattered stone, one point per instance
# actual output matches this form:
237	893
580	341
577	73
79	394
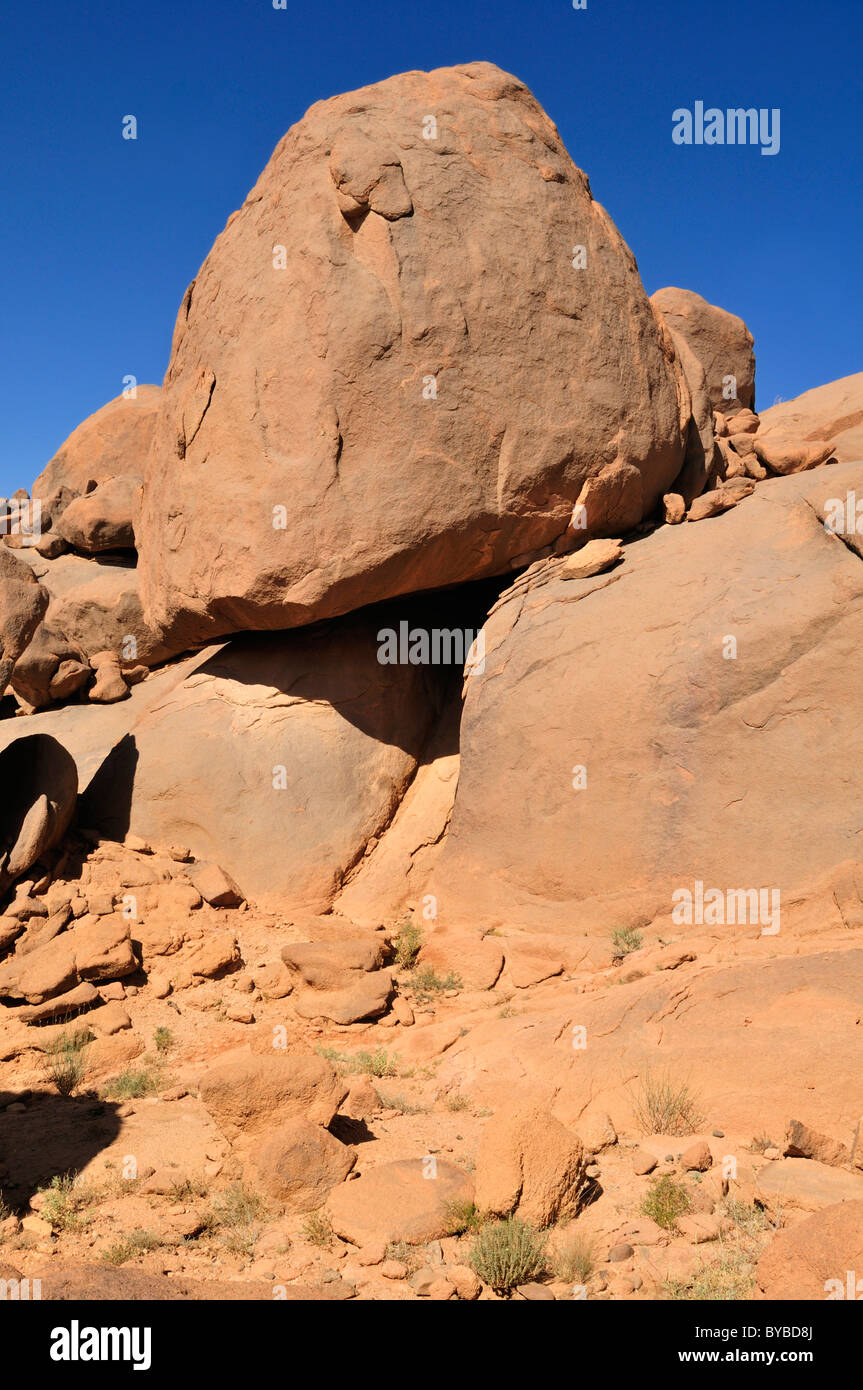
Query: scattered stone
697	1158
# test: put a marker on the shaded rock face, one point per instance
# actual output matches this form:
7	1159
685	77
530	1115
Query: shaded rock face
280	758
23	604
112	441
419	397
721	342
703	752
39	782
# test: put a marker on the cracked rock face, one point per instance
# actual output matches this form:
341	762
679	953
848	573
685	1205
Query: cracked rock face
395	372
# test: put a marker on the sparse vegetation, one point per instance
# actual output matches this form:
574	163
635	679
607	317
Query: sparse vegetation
750	1220
397	1101
234	1214
760	1143
666	1106
135	1082
64	1060
460	1217
163	1039
135	1243
318	1229
730	1277
427	984
456	1101
507	1253
624	941
408	1255
665	1200
377	1063
574	1262
407	944
189	1189
65	1201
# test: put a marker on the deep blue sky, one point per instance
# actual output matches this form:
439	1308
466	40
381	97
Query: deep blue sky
100	236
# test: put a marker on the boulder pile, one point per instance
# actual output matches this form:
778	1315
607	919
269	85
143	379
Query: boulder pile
403	803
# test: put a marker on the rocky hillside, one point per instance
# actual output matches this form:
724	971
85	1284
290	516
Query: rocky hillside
430	841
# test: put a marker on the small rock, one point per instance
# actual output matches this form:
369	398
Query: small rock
536	1293
36	1225
372	1254
240	1013
697	1158
643	1162
394	1269
422	1281
466	1284
215	886
620	1252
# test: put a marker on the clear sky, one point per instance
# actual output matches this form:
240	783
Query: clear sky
99	236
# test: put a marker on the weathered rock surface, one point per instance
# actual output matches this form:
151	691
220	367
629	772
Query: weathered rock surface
831	412
112	441
94	604
407	1200
530	1164
366	388
721	342
813	1259
253	1095
305	734
94	949
742	640
298	1164
103	518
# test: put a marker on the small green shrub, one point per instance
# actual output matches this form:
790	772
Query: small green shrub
65	1201
624	941
318	1229
135	1243
234	1215
507	1253
135	1082
457	1102
164	1039
407	945
377	1063
747	1217
460	1217
64	1060
665	1200
395	1100
427	984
